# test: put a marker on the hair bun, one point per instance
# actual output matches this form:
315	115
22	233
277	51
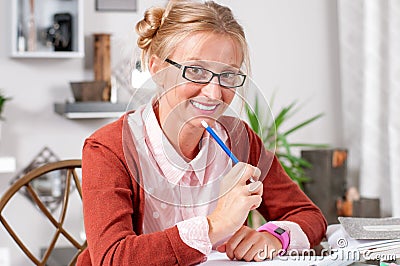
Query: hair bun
148	26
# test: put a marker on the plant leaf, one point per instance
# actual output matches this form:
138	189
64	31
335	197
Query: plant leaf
295	160
283	114
271	103
250	219
310	145
308	121
252	117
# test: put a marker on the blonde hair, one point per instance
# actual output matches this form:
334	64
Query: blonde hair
162	29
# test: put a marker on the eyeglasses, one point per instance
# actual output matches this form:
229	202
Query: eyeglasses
203	76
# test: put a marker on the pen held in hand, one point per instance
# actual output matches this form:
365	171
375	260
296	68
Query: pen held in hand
221	144
219	141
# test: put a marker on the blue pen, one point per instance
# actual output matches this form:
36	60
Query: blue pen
220	142
222	145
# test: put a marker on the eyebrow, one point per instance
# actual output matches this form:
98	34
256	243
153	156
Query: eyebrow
205	61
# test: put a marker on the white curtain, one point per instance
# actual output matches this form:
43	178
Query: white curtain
369	36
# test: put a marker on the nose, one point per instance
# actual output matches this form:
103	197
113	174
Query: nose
212	90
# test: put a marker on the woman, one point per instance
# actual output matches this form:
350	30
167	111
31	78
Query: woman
156	188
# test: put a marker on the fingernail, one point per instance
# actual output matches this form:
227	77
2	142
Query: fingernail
257	172
254	186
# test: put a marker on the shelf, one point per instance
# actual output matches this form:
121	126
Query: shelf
50	19
48	54
90	110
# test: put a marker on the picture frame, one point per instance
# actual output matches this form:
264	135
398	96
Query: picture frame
49	187
116	5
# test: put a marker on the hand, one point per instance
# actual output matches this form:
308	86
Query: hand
248	244
237	199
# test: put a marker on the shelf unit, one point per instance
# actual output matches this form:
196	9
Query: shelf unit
44	11
90	110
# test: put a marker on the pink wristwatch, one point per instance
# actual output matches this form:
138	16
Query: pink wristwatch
280	233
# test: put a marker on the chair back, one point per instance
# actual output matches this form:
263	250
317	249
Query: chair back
25	185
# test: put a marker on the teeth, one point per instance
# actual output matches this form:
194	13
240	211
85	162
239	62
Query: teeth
203	107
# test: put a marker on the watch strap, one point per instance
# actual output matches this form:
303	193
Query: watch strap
278	232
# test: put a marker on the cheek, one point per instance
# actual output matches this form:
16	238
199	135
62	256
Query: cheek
186	91
228	95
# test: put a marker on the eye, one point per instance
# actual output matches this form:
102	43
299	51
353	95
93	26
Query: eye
199	74
198	71
228	75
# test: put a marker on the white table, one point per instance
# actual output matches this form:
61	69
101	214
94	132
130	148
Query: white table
216	259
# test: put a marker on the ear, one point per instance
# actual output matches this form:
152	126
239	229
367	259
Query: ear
155	64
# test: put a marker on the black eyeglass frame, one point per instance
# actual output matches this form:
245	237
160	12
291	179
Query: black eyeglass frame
205	82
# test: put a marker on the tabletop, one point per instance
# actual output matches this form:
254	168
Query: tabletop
217	258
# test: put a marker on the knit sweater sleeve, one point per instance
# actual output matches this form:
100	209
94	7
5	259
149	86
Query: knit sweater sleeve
283	200
110	216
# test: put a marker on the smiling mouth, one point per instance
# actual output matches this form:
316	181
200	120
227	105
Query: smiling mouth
204	107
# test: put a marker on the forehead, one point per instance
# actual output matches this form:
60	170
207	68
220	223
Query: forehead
210	46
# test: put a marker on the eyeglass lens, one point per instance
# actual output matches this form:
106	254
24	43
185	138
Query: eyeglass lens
201	75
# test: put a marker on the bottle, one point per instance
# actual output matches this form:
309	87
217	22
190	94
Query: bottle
20	39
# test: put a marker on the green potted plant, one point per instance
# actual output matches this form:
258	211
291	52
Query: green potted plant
275	138
3	100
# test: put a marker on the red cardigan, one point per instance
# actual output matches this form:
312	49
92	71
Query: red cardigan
113	202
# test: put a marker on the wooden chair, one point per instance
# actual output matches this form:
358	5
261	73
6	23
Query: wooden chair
25	183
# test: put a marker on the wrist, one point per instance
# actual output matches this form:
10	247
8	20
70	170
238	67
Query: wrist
279	233
216	230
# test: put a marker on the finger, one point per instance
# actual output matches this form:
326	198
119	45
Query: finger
238	168
255	188
261	253
234	175
252	189
230	247
254	201
256	174
234	241
245	249
221	248
252	254
249	172
242	249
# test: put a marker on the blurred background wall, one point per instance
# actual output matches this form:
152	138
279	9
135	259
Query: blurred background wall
294	51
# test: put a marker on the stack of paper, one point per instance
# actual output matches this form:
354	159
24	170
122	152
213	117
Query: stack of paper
386	250
368	238
371	228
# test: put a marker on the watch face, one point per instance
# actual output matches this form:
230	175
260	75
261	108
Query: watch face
279	231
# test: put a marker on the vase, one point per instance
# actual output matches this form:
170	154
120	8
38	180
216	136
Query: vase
102	62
